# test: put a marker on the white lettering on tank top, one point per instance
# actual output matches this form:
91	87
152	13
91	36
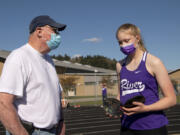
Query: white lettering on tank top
129	88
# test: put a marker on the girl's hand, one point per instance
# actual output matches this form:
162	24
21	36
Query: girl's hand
140	107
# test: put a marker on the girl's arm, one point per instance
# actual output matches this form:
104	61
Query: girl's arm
118	69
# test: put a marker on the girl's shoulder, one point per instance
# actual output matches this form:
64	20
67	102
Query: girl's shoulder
119	65
152	60
153	64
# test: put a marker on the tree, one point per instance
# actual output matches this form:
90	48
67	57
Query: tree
68	83
66	57
96	60
108	81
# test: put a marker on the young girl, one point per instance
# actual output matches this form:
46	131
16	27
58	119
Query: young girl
140	73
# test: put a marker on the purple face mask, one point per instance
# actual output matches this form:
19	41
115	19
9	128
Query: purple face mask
128	49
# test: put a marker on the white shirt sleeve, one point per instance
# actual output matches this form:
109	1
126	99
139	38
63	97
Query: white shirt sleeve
12	79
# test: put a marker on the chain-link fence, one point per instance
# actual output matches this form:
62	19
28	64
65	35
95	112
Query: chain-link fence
86	89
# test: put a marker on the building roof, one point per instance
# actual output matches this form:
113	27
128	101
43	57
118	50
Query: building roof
4	54
171	72
74	67
79	66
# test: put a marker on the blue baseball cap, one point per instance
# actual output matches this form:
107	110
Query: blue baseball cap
43	20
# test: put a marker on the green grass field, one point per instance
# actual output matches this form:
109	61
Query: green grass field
178	99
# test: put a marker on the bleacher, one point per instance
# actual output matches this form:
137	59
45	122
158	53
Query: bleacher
93	121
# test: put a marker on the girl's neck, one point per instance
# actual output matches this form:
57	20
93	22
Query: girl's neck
135	56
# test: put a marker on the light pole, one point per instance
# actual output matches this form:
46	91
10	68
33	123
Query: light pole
95	71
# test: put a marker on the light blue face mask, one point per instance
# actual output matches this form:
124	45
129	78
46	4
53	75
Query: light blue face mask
54	42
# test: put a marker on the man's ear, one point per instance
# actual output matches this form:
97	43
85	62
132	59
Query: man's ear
38	32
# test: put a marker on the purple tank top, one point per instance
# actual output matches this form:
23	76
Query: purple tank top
140	82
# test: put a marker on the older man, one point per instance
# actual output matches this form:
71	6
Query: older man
30	92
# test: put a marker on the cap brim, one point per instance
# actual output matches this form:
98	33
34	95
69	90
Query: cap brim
60	27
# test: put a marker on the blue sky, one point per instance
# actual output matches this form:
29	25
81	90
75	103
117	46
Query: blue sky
92	24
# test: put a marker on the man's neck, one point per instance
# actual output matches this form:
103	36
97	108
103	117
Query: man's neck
37	45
